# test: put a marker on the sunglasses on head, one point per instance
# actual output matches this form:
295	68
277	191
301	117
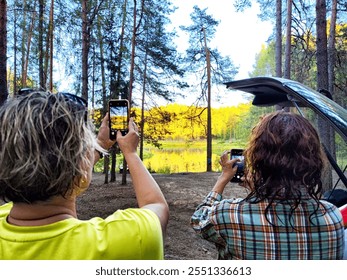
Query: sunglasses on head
77	103
76	100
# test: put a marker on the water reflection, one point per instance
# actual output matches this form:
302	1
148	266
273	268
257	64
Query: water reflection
180	160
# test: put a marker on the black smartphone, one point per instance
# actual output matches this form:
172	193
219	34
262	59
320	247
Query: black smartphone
238	153
119	117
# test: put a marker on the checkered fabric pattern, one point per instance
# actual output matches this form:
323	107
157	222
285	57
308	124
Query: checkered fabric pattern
240	230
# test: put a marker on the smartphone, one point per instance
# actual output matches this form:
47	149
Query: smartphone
119	117
238	153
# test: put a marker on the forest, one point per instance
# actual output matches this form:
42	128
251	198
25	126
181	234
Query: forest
111	49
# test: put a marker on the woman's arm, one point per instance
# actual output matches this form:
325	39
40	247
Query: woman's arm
148	192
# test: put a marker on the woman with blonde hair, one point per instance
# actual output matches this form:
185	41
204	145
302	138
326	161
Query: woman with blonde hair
47	153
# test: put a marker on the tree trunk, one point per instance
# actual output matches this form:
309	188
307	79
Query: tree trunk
132	66
132	58
142	123
3	51
278	54
288	48
25	54
23	64
113	164
103	85
85	50
15	51
106	168
116	92
209	121
278	47
322	79
331	65
331	48
42	78
322	52
93	82
121	49
51	36
102	67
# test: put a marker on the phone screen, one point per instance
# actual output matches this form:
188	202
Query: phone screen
119	116
238	153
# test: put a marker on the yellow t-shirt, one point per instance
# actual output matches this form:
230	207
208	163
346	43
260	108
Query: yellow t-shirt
129	234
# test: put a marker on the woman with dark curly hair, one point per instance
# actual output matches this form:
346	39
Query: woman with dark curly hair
47	152
283	216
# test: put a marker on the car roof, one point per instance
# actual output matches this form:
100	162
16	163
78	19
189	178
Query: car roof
269	91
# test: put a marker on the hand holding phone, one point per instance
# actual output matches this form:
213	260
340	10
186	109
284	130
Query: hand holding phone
238	153
119	117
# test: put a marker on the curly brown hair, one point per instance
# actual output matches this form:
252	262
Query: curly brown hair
284	160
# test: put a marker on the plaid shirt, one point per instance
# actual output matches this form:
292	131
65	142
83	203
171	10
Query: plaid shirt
240	230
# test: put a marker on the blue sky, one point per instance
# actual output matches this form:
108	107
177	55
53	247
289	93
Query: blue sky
239	34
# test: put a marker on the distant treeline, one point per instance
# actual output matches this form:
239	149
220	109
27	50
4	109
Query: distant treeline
182	122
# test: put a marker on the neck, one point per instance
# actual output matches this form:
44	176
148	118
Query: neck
42	213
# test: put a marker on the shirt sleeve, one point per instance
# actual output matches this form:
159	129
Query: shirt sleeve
142	229
5	209
151	235
201	221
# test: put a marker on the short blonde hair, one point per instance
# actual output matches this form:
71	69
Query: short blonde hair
44	142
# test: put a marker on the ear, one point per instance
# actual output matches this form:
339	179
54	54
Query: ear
80	184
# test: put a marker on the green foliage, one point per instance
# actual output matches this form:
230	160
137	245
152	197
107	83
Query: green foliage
340	87
341	151
99	166
265	61
303	61
157	60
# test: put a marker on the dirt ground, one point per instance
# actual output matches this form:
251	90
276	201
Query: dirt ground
183	191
